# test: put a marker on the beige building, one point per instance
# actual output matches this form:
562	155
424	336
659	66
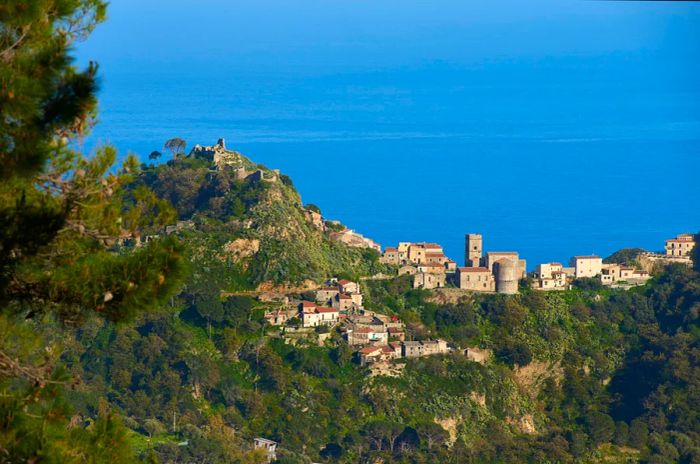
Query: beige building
473	250
326	295
682	245
549	276
407	270
355	239
477	279
314	316
424	348
493	257
348	286
429	280
390	256
343	302
367	335
612	274
587	266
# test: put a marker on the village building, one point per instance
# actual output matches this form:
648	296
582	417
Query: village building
612	274
279	317
347	286
473	250
587	266
418	349
343	302
550	276
314	316
407	270
682	245
390	256
365	335
374	354
506	268
325	295
429	280
269	446
396	333
476	279
354	239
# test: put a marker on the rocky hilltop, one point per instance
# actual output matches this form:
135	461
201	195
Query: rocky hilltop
252	220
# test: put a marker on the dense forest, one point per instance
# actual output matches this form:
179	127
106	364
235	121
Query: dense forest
131	328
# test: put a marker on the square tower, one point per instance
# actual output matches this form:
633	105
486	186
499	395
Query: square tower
473	250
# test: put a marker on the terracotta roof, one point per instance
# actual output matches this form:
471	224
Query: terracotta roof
395	330
681	240
307	304
587	257
369	349
344	296
363	330
328	289
474	269
434	255
509	253
388	349
345	282
390	250
556	264
326	310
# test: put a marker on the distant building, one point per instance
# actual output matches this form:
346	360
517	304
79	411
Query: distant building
269	446
348	286
549	276
354	239
612	274
424	348
682	245
473	250
477	279
314	316
587	266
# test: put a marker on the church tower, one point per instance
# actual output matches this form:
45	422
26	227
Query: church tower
473	250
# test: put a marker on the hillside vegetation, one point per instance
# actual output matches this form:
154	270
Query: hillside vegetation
255	231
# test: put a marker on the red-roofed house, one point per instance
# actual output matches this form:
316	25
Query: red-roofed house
347	286
313	316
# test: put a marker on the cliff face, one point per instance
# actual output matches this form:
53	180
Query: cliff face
248	215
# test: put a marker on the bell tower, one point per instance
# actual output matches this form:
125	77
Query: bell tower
473	249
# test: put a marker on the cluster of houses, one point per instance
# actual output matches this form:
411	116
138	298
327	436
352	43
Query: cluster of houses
498	271
375	336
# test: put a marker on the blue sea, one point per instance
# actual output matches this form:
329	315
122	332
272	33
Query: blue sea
552	152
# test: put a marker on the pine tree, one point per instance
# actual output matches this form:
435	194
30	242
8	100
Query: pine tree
66	223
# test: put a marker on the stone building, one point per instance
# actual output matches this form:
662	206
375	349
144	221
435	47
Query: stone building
314	316
682	245
424	348
587	266
473	250
269	446
390	256
612	274
429	280
477	279
549	276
